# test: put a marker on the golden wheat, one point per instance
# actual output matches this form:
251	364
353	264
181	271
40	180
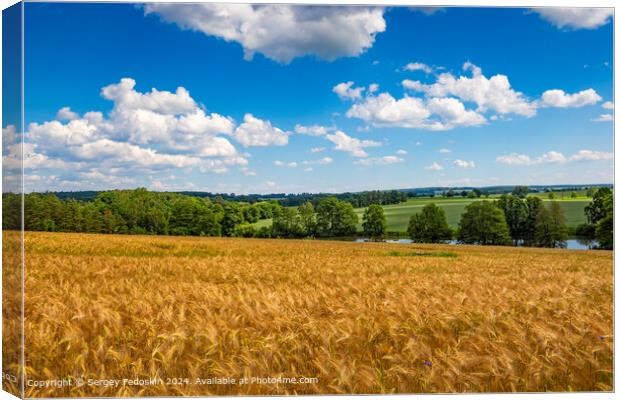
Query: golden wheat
360	317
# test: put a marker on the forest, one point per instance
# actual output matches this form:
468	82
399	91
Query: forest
516	219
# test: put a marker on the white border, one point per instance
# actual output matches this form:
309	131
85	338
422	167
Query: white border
446	3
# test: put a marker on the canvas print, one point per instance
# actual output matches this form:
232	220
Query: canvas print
242	199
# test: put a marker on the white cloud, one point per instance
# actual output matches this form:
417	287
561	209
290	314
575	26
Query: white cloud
282	164
493	93
590	155
453	112
346	91
514	159
65	114
464	164
401	152
433	167
608	105
604	118
317	149
172	121
308	169
558	98
313	130
247	171
418	66
257	132
553	157
576	18
144	133
373	87
385	110
322	161
445	151
436	114
385	160
281	32
352	145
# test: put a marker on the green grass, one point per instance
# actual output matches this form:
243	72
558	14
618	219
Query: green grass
398	214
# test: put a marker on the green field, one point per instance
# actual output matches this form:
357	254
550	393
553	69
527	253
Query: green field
398	214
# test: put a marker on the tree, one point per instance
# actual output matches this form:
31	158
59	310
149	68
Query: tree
605	226
573	195
483	223
595	211
286	223
429	225
233	216
551	226
472	195
520	191
515	212
590	192
551	196
335	217
251	213
374	222
307	219
533	205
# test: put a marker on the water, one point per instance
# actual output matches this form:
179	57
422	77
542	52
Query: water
572	244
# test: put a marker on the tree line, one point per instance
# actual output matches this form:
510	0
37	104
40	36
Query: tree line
512	219
142	212
357	199
516	219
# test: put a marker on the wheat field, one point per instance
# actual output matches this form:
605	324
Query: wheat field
339	317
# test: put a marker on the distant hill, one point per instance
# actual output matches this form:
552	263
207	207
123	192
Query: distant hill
293	198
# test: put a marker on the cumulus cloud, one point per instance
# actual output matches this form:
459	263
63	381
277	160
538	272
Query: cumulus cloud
401	152
312	130
608	105
436	114
317	149
346	91
418	66
282	164
558	98
322	161
445	151
257	132
453	113
351	145
590	155
281	32
441	105
65	114
464	164
385	160
494	93
433	167
144	132
604	118
553	157
576	18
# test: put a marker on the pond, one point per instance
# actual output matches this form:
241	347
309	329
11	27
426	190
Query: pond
571	244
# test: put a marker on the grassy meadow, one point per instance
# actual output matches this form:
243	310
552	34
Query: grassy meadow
360	317
398	215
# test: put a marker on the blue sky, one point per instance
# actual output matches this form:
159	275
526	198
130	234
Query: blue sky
292	99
